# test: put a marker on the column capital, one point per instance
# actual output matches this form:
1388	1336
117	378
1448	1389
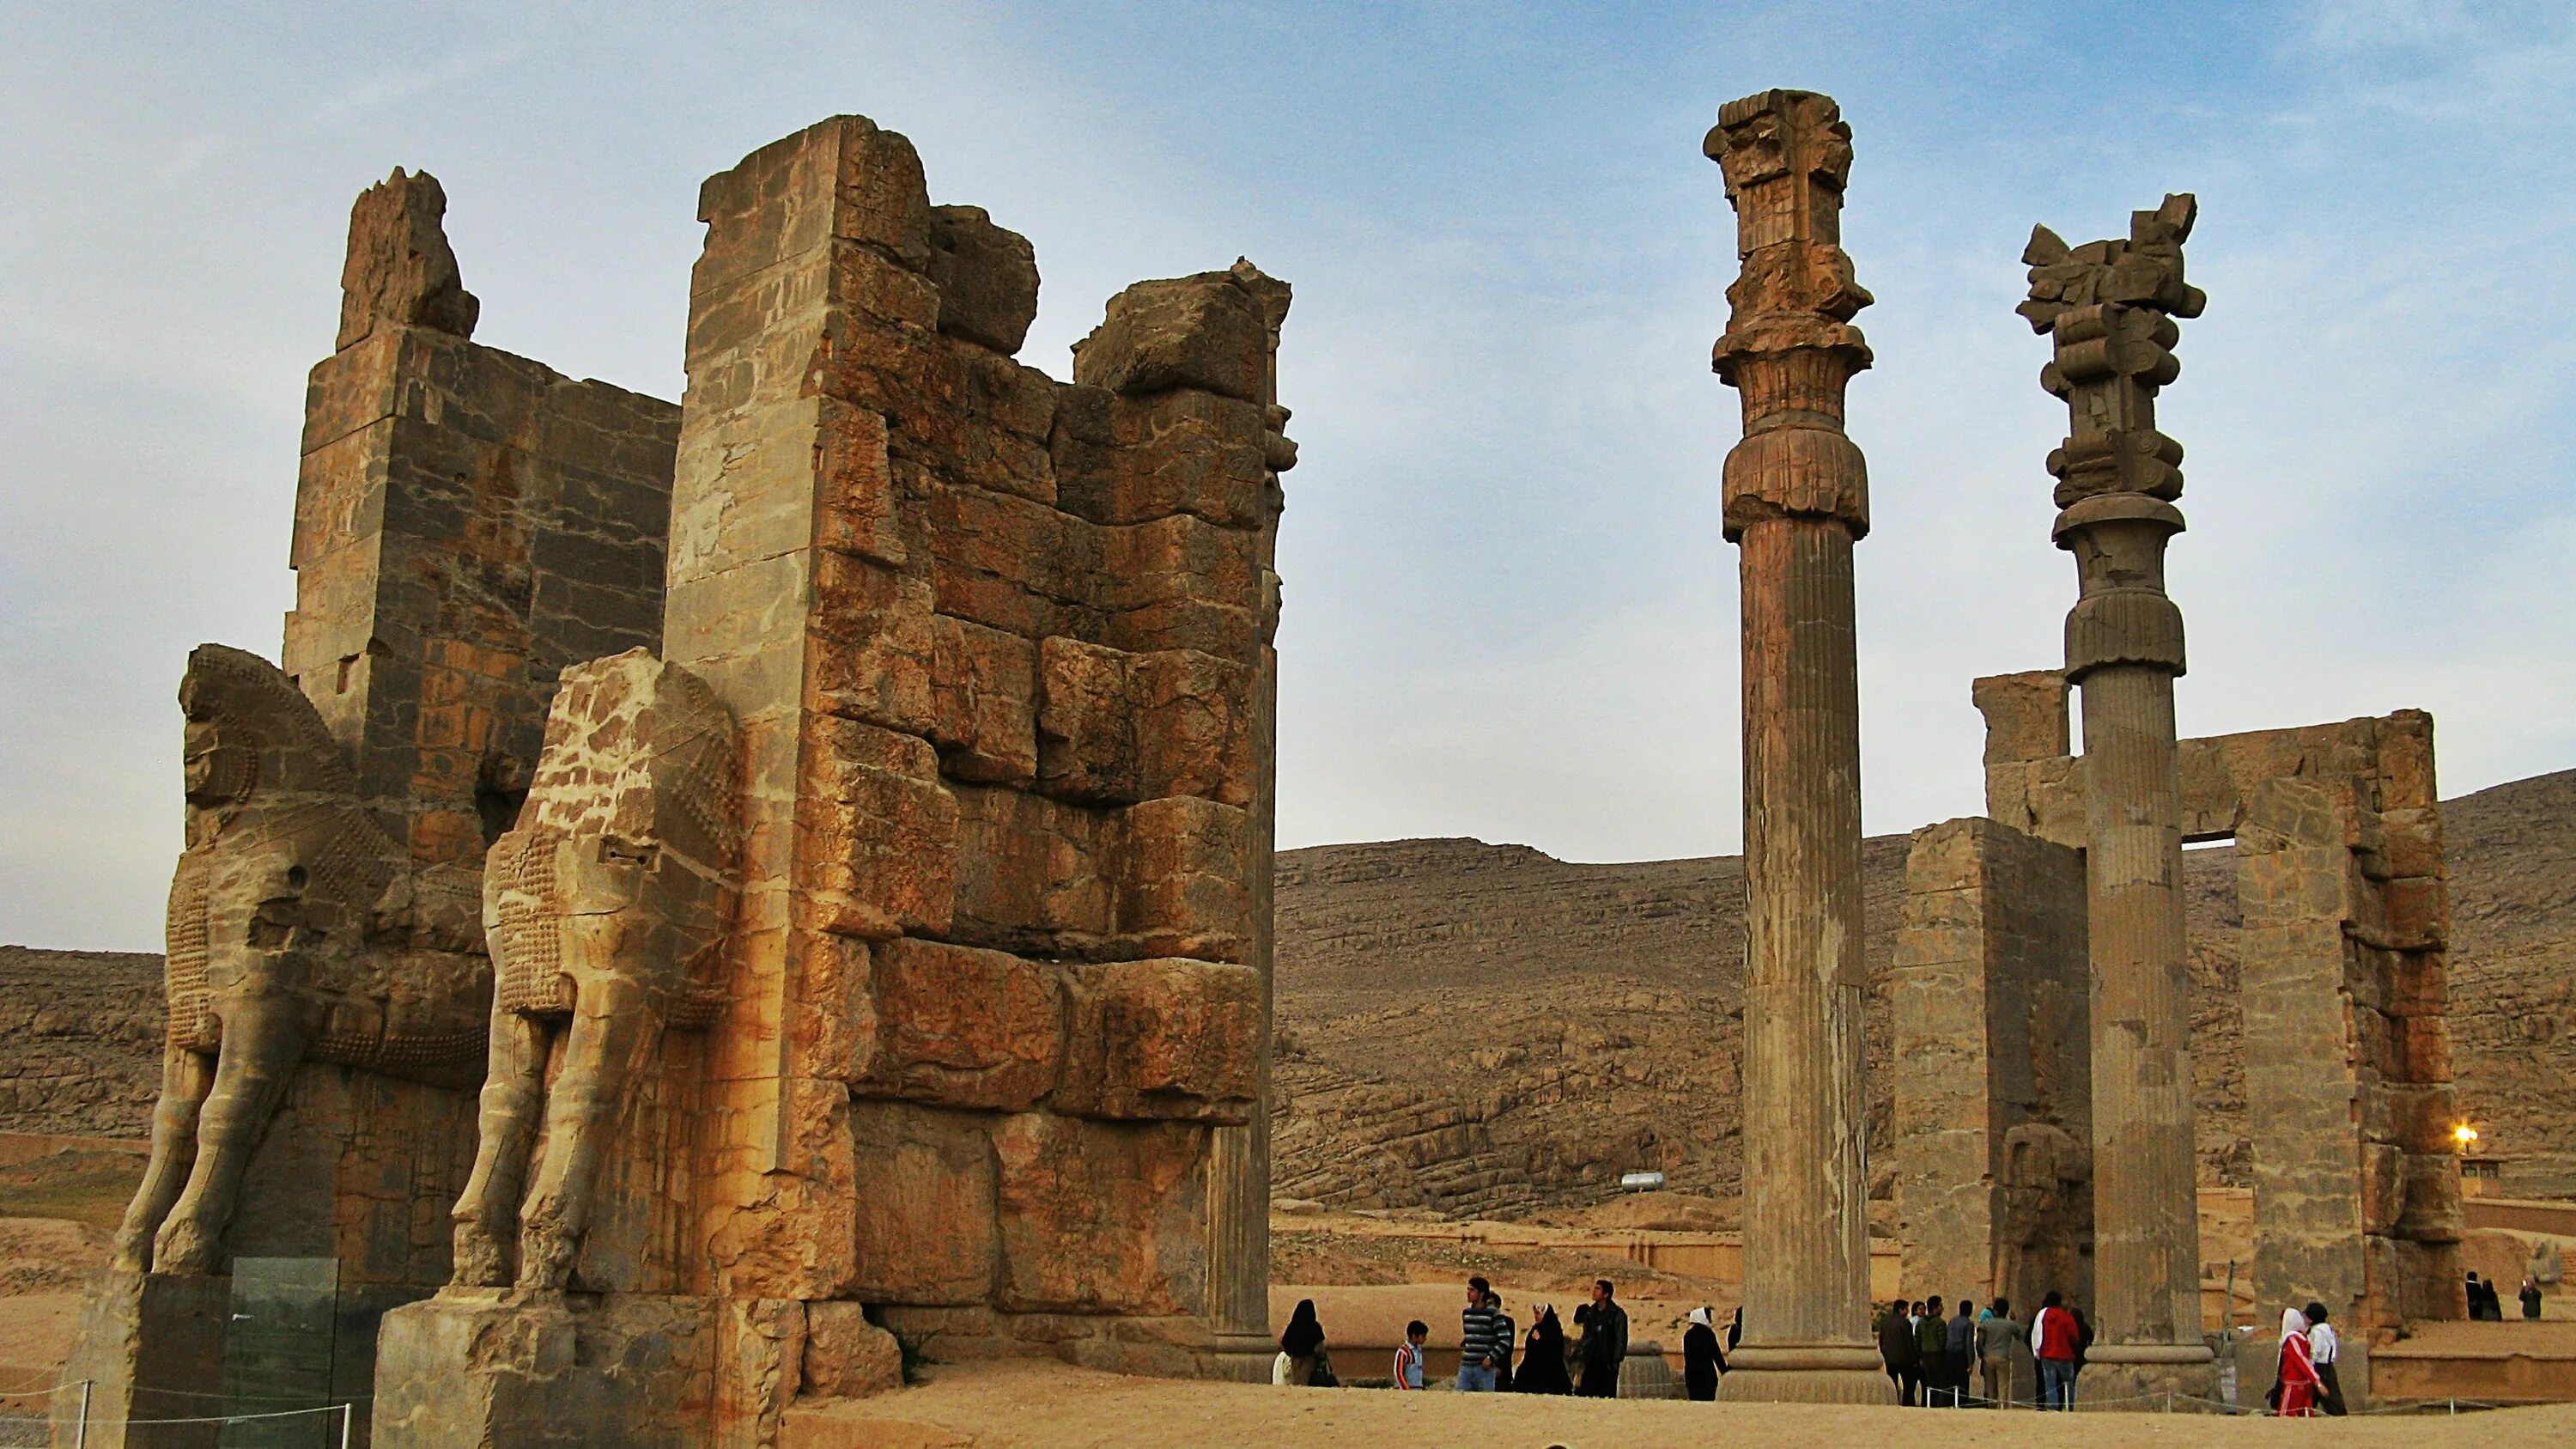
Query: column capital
1789	347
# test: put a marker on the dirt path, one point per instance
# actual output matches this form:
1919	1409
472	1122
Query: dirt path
1047	1406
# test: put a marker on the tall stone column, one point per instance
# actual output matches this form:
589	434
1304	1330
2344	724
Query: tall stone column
1797	498
2110	306
1239	1156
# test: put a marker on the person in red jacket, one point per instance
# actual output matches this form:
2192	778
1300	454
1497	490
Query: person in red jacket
2053	1339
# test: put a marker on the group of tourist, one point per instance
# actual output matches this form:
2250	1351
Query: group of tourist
1931	1358
1547	1361
2485	1304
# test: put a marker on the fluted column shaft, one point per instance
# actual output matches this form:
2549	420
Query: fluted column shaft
1797	499
2146	1236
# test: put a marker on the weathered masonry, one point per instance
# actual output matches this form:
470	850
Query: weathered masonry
467	523
986	993
2340	883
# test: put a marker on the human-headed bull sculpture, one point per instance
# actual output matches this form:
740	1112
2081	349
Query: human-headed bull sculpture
297	931
605	909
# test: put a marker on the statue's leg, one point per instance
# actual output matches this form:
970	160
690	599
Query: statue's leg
488	1212
610	1028
184	1079
263	1045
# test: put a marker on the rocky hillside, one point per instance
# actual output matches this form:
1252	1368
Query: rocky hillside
80	1042
1480	1028
1485	1029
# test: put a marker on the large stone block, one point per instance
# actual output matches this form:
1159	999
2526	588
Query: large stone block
846	1356
485	1369
1163	1038
1181	889
1101	1217
926	1224
984	692
1117	727
1202	331
987	276
874	652
2026	715
1033	873
964	1027
878	835
844	179
1186	452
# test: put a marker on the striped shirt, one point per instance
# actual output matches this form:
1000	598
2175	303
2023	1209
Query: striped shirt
1482	1336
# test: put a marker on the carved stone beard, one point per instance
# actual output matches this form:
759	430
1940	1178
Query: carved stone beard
222	768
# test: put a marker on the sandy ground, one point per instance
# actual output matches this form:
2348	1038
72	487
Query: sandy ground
1026	1406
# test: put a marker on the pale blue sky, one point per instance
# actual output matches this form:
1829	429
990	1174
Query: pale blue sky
1509	611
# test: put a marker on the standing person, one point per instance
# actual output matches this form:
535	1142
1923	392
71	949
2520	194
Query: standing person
1999	1337
1503	1356
2298	1386
1542	1369
1480	1344
1303	1343
2052	1336
1963	1351
1932	1354
2481	1293
1896	1349
2083	1349
2323	1349
1701	1360
1734	1331
1408	1355
2293	1324
2531	1299
1605	1342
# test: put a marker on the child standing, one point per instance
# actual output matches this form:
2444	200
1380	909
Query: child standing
1408	1357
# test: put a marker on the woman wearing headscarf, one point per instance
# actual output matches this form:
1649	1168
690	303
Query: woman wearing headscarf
1542	1369
1303	1343
2294	1391
1702	1362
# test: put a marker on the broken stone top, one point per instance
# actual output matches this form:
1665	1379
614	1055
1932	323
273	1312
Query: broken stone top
1212	330
1786	155
1796	141
2144	271
400	270
2109	307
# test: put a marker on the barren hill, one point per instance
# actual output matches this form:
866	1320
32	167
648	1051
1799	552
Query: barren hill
1480	1028
1485	1029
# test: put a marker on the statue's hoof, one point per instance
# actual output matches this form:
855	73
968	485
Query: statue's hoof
478	1261
545	1262
182	1251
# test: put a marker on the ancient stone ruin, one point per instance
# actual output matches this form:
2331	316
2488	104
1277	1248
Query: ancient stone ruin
877	945
2043	1094
467	523
830	820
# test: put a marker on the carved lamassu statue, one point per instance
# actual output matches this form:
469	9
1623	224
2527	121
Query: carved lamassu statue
2047	1208
297	931
605	909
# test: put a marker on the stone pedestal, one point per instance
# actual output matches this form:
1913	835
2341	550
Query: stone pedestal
151	1346
1796	501
494	1369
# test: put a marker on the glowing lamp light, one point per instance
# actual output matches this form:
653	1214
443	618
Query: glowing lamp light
2466	1136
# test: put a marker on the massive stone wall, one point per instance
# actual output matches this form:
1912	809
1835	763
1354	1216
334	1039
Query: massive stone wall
996	649
467	523
2343	986
1993	1088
